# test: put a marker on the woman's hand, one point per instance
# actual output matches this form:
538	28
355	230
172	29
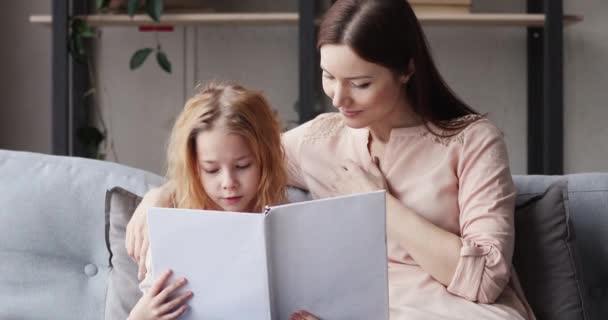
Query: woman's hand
302	315
352	178
136	239
158	302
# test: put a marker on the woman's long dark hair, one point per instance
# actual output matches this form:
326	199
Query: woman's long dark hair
387	32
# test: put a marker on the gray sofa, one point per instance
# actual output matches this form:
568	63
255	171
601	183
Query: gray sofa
54	256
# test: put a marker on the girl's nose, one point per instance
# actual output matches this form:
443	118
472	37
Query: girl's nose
229	181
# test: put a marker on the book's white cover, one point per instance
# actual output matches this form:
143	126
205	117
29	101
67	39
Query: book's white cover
325	256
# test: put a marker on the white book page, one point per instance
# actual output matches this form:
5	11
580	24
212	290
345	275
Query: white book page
328	257
223	256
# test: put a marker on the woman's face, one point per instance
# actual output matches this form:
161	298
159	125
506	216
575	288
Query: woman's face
229	172
365	93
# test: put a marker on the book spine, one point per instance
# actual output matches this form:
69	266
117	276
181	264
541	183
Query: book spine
268	248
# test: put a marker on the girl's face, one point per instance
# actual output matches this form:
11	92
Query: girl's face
365	93
229	172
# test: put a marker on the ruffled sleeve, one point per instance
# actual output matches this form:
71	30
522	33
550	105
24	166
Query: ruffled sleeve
486	199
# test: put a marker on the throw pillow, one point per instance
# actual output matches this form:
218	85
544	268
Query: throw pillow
123	286
545	256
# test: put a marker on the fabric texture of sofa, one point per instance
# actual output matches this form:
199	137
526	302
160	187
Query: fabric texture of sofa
56	253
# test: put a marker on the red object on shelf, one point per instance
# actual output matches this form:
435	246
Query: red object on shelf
160	28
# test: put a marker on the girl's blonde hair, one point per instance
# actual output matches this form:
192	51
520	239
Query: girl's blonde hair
230	107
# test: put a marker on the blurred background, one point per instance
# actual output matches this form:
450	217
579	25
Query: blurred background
485	64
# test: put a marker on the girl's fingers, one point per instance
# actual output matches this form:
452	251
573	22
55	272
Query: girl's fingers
296	316
302	315
175	302
175	314
308	316
159	284
168	290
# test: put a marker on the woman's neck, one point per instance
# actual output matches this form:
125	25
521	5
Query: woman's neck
402	116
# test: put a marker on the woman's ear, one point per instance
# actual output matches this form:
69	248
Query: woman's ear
404	78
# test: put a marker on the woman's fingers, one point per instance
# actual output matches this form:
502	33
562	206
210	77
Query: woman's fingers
142	256
129	241
133	236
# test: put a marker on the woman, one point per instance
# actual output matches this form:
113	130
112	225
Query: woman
450	200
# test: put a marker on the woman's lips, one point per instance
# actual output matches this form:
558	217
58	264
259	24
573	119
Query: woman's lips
350	114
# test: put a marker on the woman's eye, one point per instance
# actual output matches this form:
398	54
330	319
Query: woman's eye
328	76
361	86
211	171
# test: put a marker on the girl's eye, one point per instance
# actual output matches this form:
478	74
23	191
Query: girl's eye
243	166
328	76
211	171
361	86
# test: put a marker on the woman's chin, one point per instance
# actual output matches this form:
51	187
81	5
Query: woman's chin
354	123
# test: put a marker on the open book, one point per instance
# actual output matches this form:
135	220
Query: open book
325	256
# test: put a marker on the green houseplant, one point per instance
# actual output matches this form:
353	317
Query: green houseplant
80	35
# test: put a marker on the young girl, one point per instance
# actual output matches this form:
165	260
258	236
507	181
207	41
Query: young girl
224	154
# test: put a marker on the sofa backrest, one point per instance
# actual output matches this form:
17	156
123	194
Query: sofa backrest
588	208
54	263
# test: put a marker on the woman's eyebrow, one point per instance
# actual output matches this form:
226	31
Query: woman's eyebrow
349	78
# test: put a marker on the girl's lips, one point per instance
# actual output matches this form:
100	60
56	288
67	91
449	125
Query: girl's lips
232	200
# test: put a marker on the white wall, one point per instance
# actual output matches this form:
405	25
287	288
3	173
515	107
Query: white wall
25	77
486	66
144	102
586	88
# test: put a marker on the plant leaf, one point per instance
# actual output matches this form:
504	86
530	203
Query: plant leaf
87	31
74	50
102	4
154	8
163	61
132	7
138	58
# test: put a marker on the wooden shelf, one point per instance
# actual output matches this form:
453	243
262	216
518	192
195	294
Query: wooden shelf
492	19
467	19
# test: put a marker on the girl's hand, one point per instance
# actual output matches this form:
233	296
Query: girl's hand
136	239
157	303
302	315
352	178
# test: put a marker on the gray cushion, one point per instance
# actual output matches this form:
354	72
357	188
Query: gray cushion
588	209
54	263
545	256
123	286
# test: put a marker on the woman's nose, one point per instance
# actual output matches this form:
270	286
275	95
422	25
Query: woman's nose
340	97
